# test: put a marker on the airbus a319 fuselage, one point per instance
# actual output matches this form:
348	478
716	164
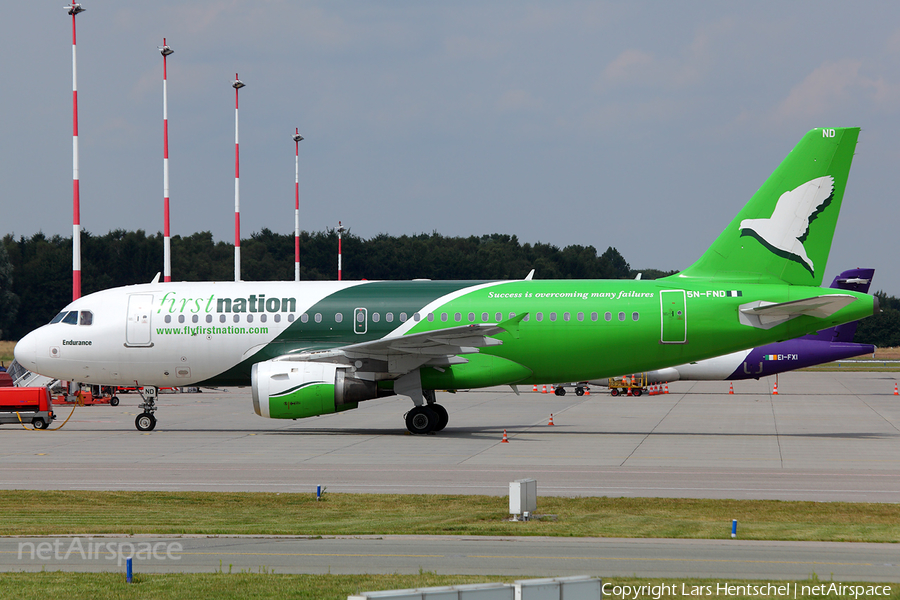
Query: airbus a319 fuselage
318	347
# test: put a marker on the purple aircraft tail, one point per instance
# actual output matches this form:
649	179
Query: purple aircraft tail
856	280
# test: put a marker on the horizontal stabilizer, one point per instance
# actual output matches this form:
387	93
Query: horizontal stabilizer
765	315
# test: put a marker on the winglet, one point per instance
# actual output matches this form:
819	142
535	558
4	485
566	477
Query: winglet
511	326
156	279
530	276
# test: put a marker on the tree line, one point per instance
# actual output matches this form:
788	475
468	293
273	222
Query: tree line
36	272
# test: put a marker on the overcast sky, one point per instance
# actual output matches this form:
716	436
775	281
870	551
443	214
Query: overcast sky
640	125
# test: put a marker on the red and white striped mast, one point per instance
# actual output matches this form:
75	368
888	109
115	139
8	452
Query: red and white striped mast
340	231
237	84
167	240
73	10
297	139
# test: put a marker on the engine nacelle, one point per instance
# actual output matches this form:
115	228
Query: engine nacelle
294	390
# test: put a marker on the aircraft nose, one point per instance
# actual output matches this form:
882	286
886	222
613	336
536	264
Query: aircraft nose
26	351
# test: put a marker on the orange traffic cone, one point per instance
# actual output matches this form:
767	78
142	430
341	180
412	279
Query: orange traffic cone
551	419
730	388
629	392
505	439
534	389
587	391
667	387
896	392
775	389
544	391
552	389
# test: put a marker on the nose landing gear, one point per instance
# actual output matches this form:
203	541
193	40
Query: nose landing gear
146	421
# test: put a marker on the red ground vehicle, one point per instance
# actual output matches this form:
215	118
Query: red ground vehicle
32	404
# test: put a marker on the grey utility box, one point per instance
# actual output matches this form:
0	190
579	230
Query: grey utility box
522	497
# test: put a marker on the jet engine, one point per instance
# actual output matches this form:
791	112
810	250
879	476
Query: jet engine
294	389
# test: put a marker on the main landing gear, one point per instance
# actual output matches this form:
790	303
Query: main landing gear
427	418
146	421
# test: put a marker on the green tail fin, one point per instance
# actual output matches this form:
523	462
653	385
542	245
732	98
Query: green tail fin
784	233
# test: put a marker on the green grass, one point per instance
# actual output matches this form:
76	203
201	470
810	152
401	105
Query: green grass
87	512
40	586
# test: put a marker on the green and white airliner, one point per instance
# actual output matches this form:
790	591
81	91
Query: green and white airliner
313	348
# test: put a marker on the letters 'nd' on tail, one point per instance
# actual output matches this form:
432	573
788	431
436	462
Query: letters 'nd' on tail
784	233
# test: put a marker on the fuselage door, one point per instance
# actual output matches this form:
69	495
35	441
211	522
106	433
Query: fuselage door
360	320
137	328
674	317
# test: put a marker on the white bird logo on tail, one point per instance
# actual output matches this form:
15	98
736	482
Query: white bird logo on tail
790	219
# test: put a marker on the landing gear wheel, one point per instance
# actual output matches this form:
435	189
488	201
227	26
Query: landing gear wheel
637	391
39	424
579	391
421	419
145	422
443	416
560	391
114	401
614	392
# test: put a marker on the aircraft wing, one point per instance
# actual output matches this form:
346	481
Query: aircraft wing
400	354
765	315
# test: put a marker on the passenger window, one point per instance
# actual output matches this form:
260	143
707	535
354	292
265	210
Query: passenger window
249	318
594	316
277	318
553	316
291	318
485	317
168	318
338	317
499	317
431	316
221	318
635	316
236	318
209	318
375	317
71	318
566	316
318	317
304	318
87	317
471	317
540	317
262	318
457	317
180	319
621	316
580	316
196	319
444	317
608	316
389	317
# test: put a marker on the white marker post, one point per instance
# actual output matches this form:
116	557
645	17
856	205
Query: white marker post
340	232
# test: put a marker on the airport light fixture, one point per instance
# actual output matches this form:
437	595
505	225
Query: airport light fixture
340	231
73	9
167	240
237	84
297	139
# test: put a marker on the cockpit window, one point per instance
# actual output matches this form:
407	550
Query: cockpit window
58	317
87	317
71	317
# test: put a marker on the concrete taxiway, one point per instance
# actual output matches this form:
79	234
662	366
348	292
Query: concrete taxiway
515	556
824	437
